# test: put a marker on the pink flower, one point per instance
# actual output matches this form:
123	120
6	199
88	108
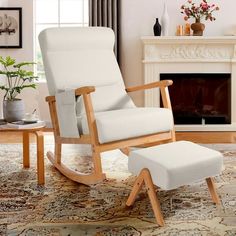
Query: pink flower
199	11
204	6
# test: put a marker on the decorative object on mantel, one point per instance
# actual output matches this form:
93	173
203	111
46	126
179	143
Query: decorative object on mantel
198	28
157	28
17	79
187	29
204	10
179	30
183	30
165	21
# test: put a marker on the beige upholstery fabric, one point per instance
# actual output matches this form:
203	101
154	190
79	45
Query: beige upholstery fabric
85	58
130	123
76	57
176	164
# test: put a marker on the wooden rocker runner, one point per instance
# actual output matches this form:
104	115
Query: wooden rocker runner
83	59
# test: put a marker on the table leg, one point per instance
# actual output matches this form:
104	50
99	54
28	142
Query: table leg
26	150
40	157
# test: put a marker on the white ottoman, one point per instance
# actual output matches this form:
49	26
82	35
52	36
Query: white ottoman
172	165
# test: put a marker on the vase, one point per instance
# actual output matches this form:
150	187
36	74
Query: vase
13	110
157	28
197	28
165	20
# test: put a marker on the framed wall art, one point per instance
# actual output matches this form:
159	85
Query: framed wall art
10	27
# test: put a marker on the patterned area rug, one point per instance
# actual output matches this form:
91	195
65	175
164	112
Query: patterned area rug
63	207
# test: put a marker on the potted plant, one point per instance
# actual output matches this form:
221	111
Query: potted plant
16	78
198	12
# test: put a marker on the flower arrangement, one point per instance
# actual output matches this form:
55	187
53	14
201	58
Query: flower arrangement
204	10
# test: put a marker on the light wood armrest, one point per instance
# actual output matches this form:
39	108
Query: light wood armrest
84	90
163	85
78	92
160	84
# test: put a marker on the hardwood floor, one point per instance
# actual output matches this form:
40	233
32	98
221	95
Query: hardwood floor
207	137
198	137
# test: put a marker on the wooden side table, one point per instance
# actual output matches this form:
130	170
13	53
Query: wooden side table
26	148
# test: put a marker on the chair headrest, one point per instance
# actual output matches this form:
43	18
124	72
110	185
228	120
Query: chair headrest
53	39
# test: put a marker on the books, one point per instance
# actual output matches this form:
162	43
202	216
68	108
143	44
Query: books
22	125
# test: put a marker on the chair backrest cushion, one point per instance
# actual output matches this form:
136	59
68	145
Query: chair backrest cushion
83	56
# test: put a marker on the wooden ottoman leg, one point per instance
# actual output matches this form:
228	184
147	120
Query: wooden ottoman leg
145	177
212	190
153	197
135	190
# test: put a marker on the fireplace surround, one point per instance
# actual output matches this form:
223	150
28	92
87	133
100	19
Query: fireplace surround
192	55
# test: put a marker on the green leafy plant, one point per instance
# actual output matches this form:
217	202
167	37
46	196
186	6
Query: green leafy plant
17	77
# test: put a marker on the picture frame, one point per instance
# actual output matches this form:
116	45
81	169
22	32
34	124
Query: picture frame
10	27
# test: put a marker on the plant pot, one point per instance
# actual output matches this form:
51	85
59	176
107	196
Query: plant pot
197	28
13	110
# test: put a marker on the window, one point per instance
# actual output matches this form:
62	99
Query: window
57	13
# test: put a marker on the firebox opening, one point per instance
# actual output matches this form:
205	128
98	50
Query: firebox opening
200	98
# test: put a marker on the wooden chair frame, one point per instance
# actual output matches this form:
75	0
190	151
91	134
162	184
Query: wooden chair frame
92	138
145	178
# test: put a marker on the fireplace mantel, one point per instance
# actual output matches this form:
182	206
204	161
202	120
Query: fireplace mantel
190	54
188	39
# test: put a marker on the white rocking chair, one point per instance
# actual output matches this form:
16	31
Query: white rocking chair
83	58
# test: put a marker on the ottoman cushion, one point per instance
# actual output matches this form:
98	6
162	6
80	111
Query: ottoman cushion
176	164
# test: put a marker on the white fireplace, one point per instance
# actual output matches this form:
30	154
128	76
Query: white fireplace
190	55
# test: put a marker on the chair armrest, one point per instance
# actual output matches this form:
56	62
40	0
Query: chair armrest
163	85
78	92
160	84
84	90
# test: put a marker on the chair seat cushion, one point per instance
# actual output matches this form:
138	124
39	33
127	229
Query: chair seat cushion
176	164
128	123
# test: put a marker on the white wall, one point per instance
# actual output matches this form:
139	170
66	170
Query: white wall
33	98
138	18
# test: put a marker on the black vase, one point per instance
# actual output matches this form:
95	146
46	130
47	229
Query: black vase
157	28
